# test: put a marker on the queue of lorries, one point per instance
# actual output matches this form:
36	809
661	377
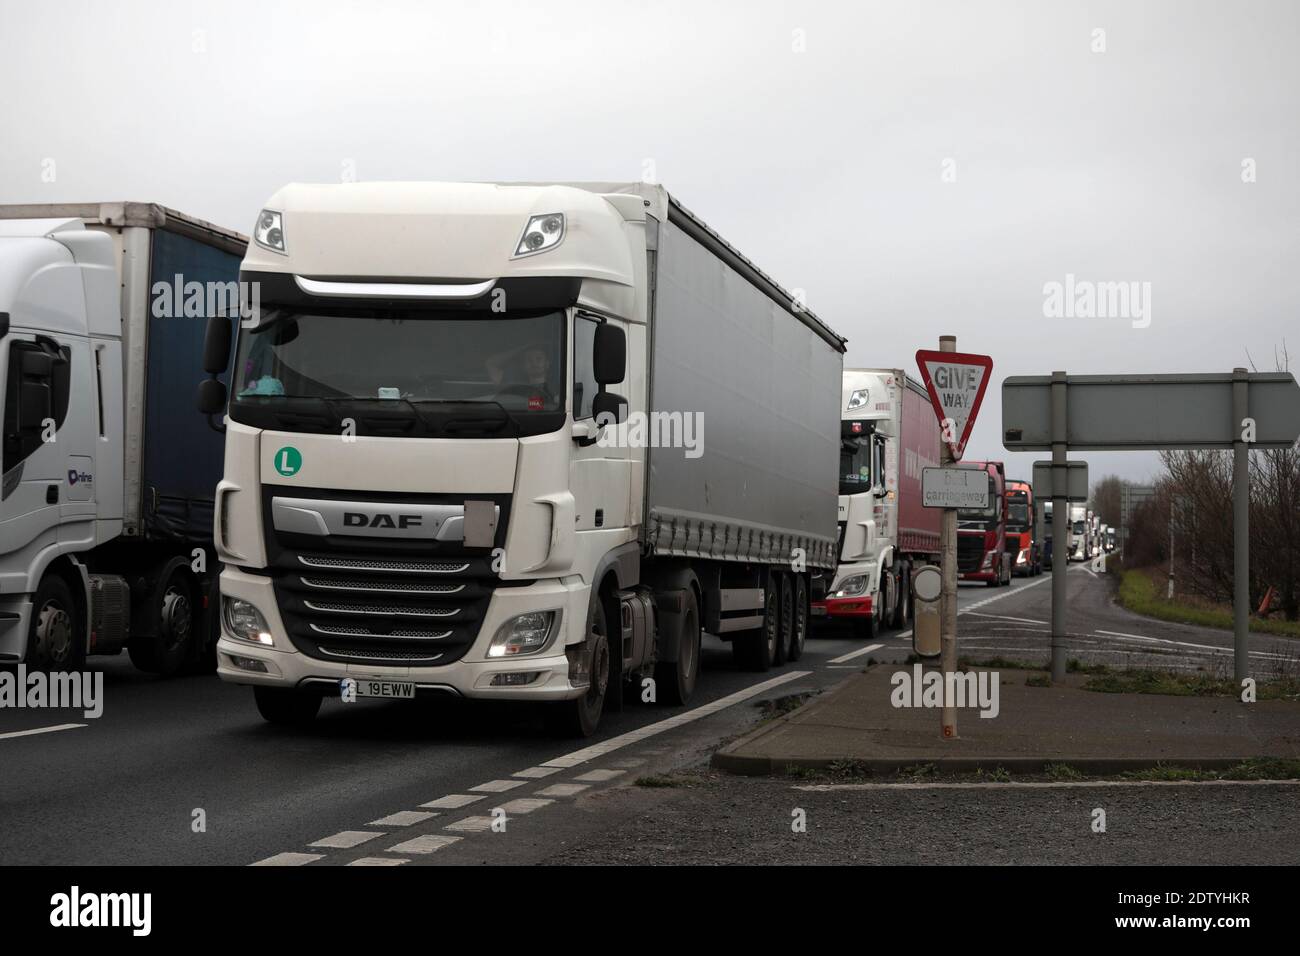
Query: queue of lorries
513	441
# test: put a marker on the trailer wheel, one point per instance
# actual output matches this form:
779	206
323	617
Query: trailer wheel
676	679
581	716
799	633
168	645
286	705
754	650
785	617
55	636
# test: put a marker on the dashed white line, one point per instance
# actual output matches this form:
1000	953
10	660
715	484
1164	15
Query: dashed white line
858	653
429	843
524	805
599	776
403	818
498	786
563	789
379	861
289	859
40	730
1217	648
453	801
536	773
470	825
347	839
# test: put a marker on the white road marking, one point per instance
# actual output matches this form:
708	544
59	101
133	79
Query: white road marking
289	859
498	786
41	730
470	825
378	861
1007	593
347	839
1041	785
1004	617
599	776
858	653
536	773
453	801
563	789
524	805
429	843
1218	648
402	818
636	736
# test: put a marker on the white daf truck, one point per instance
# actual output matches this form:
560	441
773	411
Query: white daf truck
108	474
430	486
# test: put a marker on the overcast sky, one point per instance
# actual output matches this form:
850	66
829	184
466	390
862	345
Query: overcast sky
918	168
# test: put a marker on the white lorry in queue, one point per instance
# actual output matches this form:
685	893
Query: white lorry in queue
430	487
108	474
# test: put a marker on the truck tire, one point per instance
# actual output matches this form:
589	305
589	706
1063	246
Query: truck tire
902	603
799	633
754	650
675	680
286	705
56	639
581	716
784	616
173	608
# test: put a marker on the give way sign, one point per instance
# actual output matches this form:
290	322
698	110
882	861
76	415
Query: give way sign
956	382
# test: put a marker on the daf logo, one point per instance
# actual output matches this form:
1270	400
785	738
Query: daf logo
358	519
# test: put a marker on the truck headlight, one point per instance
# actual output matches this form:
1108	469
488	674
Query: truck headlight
269	231
245	622
851	587
541	233
524	634
988	561
1022	558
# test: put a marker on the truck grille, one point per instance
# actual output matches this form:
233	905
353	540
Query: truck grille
970	552
389	601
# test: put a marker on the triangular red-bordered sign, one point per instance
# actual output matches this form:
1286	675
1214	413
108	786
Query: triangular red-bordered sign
956	382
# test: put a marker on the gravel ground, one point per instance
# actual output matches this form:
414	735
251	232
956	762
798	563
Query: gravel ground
709	818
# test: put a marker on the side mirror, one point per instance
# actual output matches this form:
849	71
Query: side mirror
609	354
216	345
211	399
609	409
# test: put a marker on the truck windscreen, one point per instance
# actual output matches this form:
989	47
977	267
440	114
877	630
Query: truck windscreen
434	372
855	466
1017	513
987	517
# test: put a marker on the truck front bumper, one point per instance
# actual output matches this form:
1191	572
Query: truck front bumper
283	665
843	607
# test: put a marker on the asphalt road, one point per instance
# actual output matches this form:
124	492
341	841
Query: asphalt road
128	787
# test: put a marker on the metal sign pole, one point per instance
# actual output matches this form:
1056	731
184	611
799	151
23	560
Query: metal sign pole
1060	524
948	597
1240	527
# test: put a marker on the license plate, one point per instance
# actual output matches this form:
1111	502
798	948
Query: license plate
398	689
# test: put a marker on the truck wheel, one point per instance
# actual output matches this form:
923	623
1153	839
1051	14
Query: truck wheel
799	632
755	649
581	716
784	618
55	636
676	680
286	705
902	604
173	608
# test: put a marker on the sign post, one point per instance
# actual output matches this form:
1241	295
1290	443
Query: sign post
956	382
1238	410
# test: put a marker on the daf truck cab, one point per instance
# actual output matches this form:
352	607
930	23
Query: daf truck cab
432	486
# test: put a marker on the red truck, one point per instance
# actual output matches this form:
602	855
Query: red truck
982	553
1022	537
888	433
